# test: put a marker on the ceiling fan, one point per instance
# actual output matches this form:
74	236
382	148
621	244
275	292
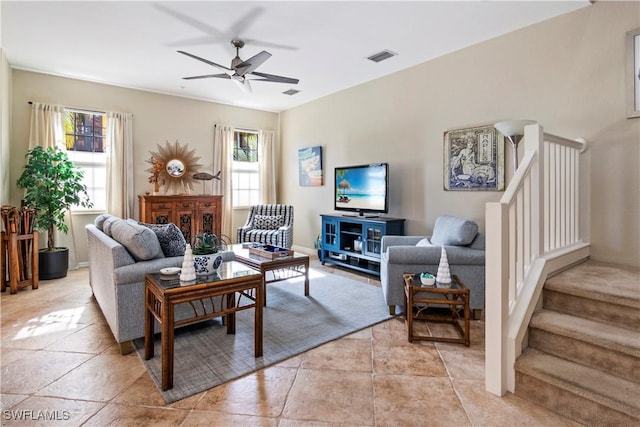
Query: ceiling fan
241	71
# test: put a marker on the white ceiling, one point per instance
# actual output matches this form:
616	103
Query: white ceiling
324	44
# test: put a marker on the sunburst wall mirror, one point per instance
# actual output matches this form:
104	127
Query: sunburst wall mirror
179	165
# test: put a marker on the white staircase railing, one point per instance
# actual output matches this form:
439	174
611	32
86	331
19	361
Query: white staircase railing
540	226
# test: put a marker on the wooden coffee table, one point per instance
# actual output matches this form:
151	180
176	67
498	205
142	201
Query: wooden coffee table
218	295
282	268
418	299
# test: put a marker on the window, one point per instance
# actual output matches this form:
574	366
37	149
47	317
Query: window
85	134
245	169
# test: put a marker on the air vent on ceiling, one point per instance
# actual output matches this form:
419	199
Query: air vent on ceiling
381	56
291	92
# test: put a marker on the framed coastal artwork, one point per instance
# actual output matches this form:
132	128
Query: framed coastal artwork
310	166
474	159
633	73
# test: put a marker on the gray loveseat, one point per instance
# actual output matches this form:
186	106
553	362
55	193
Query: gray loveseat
465	248
117	270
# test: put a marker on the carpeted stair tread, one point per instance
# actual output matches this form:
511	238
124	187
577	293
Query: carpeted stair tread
597	333
607	390
599	281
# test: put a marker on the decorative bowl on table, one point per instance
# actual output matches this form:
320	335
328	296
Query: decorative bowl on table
427	279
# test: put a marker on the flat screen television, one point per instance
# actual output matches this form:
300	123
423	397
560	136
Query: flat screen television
363	189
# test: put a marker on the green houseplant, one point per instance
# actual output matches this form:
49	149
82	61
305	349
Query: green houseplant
52	184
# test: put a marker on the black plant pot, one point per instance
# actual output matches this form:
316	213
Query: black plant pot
53	264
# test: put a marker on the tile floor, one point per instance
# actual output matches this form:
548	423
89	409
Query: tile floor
61	367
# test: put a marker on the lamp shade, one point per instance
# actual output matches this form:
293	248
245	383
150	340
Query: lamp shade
513	127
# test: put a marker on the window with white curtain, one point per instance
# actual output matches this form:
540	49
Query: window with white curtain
85	135
245	169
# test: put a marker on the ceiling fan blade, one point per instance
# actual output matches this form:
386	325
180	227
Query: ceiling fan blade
213	35
206	76
243	83
262	43
276	79
252	63
206	61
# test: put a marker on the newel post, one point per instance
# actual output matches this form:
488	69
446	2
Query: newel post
496	297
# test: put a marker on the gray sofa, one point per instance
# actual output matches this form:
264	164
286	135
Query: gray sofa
116	273
465	248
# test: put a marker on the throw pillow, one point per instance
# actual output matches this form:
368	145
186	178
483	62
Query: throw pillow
171	239
99	221
268	222
108	223
141	242
453	231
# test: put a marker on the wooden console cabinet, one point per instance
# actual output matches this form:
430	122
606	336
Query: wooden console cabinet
192	214
356	242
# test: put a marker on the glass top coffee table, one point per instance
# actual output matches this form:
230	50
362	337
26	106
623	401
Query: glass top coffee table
279	268
419	300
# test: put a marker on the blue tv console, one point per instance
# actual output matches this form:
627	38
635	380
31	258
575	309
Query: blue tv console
355	242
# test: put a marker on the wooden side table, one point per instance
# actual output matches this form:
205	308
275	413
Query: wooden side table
418	298
162	294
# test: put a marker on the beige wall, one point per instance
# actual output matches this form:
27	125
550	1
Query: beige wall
5	120
157	118
567	73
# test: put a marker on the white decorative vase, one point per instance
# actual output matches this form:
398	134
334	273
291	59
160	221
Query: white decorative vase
188	272
444	275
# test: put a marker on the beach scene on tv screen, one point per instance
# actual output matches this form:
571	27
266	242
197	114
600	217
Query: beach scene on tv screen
361	188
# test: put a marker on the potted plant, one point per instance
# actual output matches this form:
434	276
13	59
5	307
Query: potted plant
53	184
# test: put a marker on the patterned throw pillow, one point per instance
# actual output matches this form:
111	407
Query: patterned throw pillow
268	222
170	237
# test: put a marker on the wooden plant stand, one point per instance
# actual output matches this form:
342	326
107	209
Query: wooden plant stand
18	252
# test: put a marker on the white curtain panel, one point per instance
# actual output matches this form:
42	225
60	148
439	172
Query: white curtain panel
119	149
223	161
47	126
267	155
47	130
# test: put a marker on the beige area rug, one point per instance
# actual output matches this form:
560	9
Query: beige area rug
205	356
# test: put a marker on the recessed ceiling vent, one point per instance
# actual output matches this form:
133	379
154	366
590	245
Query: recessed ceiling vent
381	56
291	92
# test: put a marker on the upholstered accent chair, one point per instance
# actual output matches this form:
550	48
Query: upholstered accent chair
268	224
465	248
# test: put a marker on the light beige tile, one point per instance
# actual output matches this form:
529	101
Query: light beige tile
93	339
8	400
214	419
464	363
27	371
403	357
100	379
407	400
262	394
342	355
331	396
145	392
393	329
115	414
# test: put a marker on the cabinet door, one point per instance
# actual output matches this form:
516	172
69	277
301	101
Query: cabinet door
186	222
330	239
206	221
373	239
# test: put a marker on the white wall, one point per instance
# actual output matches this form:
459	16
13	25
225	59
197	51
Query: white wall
157	118
567	73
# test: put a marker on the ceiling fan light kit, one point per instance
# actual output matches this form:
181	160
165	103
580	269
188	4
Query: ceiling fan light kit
241	71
